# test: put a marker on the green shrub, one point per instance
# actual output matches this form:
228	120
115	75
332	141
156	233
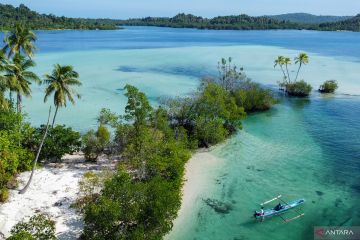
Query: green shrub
4	194
90	148
21	236
130	209
40	226
94	143
328	86
60	140
209	132
298	89
13	159
89	188
103	136
252	97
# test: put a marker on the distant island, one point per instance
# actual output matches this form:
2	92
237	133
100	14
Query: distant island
244	22
11	15
308	18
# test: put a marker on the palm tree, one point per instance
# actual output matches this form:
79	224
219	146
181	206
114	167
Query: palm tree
60	83
3	87
20	78
287	62
22	191
280	61
21	39
302	59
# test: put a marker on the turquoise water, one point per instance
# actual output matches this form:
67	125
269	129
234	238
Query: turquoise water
301	148
163	61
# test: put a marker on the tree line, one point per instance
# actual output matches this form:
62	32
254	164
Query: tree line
241	22
11	15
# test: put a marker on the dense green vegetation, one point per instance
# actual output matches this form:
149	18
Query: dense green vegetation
292	86
308	18
241	22
20	143
329	86
11	15
14	157
142	199
352	24
38	227
60	140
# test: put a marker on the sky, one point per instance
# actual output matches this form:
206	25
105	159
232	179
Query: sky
122	9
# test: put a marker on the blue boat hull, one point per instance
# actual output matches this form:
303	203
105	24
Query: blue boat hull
272	212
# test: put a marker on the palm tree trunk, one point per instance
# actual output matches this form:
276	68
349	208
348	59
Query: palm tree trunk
282	69
297	74
22	191
287	70
53	122
10	97
18	103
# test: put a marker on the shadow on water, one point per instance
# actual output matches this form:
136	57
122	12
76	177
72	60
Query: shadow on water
189	71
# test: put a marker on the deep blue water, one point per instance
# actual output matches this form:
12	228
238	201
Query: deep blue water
326	43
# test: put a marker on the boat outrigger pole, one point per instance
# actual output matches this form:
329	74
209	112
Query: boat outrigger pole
280	209
269	201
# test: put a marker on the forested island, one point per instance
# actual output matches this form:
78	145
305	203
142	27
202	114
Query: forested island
241	22
11	15
308	18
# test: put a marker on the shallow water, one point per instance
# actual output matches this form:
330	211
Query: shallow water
163	61
301	148
298	149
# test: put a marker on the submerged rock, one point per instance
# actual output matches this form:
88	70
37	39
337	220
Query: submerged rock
319	193
218	206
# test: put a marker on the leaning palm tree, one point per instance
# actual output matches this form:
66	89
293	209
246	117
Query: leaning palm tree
302	59
22	191
280	61
20	78
287	62
20	40
60	82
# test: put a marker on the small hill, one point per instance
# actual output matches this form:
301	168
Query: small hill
352	24
308	18
10	15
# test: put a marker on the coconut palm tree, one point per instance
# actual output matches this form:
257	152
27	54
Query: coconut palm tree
22	191
280	61
21	39
287	62
302	59
60	82
20	78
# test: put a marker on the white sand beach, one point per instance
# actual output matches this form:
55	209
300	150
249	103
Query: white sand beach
196	181
53	189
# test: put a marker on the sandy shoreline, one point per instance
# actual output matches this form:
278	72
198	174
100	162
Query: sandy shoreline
53	189
195	182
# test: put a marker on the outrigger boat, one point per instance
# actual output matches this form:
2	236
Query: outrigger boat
280	209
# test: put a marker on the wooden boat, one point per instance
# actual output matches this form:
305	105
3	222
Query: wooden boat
280	209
